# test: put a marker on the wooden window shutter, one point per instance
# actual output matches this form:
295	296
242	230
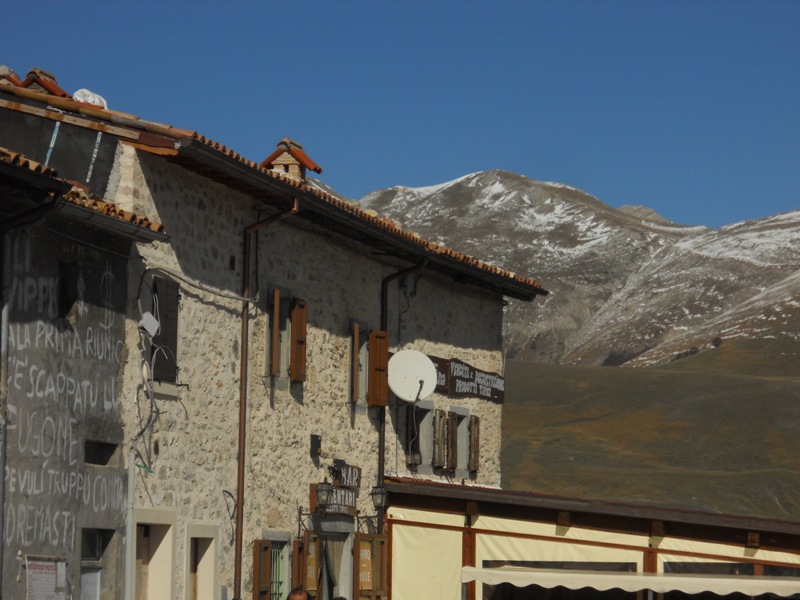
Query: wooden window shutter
474	443
452	442
354	368
378	391
439	438
164	350
312	571
262	569
298	562
297	363
275	342
413	454
370	566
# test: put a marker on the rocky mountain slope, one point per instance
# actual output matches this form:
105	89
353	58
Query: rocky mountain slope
627	286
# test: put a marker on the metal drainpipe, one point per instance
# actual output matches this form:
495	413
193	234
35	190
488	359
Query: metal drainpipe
237	559
382	409
29	218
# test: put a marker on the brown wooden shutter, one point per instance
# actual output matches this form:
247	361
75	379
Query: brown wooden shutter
439	438
474	443
413	454
299	323
298	562
164	349
452	442
312	571
378	390
262	569
370	568
275	342
354	370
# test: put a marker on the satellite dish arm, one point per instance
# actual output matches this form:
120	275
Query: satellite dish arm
419	391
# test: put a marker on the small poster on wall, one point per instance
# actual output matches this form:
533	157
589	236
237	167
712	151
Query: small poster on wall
46	578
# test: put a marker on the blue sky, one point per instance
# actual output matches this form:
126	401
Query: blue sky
690	108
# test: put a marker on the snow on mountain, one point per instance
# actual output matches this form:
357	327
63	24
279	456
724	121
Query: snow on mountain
627	285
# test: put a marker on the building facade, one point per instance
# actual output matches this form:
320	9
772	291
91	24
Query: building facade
224	369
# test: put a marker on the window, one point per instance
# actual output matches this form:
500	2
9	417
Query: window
270	570
419	436
439	439
164	347
456	442
286	339
369	363
100	453
94	546
473	461
378	392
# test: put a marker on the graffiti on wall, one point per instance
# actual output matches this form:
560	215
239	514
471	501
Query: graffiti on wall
65	348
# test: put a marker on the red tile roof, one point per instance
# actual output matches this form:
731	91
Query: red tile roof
78	194
296	151
150	137
36	79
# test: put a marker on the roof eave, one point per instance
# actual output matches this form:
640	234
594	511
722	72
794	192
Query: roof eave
133	231
533	500
370	233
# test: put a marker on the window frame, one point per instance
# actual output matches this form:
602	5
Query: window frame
287	335
164	344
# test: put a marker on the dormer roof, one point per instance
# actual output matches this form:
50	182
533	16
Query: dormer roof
293	149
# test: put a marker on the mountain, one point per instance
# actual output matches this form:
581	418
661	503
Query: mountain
715	432
627	285
714	315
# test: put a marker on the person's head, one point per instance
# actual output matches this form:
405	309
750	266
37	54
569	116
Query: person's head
298	593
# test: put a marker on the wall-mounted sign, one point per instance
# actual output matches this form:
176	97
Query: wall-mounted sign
46	578
343	501
457	378
348	476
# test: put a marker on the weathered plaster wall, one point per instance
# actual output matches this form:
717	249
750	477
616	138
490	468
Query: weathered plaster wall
66	298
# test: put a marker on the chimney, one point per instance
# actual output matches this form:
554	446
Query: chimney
290	159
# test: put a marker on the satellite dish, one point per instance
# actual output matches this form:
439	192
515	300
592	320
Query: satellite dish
412	375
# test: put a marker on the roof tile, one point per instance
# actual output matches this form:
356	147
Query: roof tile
136	123
78	194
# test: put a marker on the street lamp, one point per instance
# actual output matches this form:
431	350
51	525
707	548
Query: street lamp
324	493
378	495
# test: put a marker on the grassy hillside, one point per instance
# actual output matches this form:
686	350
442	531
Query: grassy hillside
712	431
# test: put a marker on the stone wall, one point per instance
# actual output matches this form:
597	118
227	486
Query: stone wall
185	438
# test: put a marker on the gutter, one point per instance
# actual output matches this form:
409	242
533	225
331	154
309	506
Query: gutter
244	357
382	409
351	223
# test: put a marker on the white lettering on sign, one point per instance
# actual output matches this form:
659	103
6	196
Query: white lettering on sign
350	477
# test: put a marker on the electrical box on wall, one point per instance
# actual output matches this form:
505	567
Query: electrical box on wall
316	445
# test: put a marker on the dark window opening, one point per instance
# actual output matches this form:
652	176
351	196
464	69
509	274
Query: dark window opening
94	543
99	453
164	349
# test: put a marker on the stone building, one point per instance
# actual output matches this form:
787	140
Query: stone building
64	307
246	365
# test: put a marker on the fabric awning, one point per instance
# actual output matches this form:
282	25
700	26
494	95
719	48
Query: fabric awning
634	582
